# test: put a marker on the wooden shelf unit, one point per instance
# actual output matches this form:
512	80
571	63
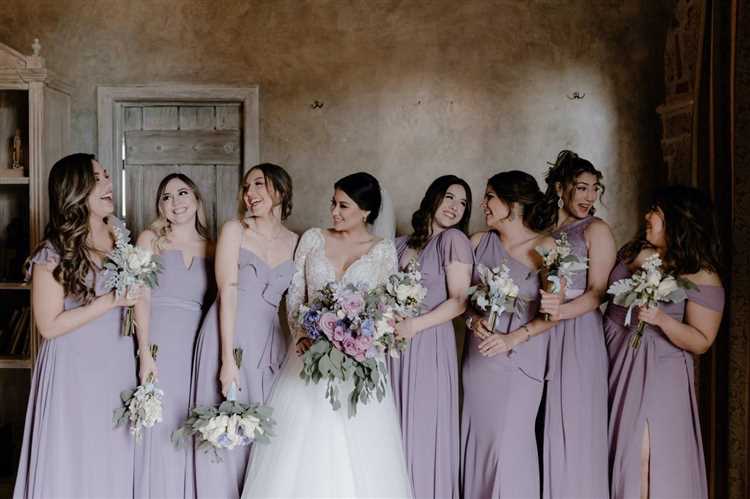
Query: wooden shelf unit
34	101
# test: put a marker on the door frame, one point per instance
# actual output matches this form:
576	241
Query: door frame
110	100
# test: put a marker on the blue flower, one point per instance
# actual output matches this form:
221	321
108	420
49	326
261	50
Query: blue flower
310	323
368	327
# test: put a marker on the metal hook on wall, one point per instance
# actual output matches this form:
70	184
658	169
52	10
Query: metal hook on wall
576	95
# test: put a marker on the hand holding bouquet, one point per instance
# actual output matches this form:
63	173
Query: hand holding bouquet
646	288
559	265
129	267
496	292
141	406
227	426
404	291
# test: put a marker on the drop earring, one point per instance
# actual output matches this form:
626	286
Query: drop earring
560	203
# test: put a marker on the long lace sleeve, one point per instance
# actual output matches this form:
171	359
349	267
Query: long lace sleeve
388	261
297	294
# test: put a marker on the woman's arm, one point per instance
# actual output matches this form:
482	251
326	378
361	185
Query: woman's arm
48	297
226	258
142	310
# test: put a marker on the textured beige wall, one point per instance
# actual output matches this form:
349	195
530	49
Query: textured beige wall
410	89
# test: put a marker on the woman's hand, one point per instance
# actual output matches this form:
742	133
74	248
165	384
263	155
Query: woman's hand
406	329
651	315
229	374
499	343
303	345
481	329
550	304
129	299
147	371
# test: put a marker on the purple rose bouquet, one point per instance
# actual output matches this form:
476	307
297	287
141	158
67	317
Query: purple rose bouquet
351	328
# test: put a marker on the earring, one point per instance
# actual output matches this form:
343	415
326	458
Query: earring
560	203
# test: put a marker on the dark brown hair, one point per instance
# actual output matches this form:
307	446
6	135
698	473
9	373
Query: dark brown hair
517	187
691	232
363	189
422	219
281	183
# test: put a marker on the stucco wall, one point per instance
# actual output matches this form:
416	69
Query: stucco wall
410	89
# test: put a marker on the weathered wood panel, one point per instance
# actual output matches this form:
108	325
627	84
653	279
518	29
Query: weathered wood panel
160	118
205	177
205	147
197	117
227	190
132	118
228	117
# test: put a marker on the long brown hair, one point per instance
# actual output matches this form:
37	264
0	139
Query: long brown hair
71	181
518	187
161	225
279	180
422	219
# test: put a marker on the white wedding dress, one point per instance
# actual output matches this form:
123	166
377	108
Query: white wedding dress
316	451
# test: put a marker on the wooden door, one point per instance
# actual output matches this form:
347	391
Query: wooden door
201	140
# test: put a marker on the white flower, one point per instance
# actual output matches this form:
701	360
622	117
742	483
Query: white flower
214	428
248	425
667	286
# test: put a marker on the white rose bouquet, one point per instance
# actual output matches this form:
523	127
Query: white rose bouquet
559	263
130	266
496	292
404	292
141	406
227	426
646	288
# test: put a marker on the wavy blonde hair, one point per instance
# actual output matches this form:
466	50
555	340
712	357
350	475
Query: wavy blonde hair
161	225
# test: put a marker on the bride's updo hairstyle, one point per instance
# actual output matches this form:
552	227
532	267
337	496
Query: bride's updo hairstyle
517	187
363	189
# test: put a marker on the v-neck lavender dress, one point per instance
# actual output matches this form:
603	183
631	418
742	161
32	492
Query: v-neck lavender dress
258	332
653	385
502	396
70	448
177	308
425	377
574	463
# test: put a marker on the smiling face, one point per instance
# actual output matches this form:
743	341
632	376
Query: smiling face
178	203
100	202
581	196
346	215
259	196
495	209
452	208
656	233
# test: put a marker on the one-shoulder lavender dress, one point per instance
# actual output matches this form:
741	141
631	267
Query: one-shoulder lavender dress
574	463
258	332
653	385
177	308
70	448
502	396
425	377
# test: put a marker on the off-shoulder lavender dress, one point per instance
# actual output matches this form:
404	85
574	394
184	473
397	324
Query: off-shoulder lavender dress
574	463
502	396
425	377
70	448
258	332
177	307
653	385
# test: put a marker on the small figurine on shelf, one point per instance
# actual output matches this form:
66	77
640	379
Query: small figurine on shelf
16	150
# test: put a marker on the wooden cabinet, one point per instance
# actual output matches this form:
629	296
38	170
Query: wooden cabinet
34	133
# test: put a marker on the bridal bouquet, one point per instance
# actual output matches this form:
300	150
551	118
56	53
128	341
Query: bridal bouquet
560	263
349	326
141	406
404	292
646	288
130	266
227	426
496	292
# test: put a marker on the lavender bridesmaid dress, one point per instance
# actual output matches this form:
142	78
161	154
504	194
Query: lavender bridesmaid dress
176	313
69	446
425	377
654	385
574	462
502	396
258	332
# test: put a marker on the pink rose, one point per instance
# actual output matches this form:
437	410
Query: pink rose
352	304
339	333
327	323
363	343
349	346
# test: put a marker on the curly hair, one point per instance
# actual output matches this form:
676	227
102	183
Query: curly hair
279	180
161	225
691	232
517	187
421	220
563	172
71	181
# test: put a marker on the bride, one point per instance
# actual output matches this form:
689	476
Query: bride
319	452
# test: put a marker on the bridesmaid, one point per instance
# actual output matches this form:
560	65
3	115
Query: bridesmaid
504	369
425	377
69	446
254	268
575	423
169	316
655	447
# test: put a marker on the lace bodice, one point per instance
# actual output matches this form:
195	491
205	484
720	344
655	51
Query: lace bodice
313	270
